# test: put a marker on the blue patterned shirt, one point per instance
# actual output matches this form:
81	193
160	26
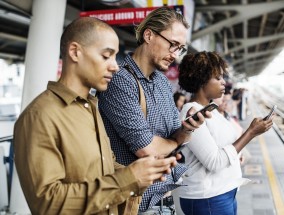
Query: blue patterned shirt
127	127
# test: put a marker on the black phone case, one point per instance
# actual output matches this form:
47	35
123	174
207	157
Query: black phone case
176	151
270	113
209	107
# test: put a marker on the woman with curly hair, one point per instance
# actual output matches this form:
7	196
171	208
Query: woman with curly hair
214	173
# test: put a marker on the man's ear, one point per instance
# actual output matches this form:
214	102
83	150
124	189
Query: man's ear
74	51
147	35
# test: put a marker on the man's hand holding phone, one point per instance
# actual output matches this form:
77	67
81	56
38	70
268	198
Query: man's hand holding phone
149	169
195	119
176	151
189	124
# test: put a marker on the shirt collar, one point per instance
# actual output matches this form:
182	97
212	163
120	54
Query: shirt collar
67	95
140	75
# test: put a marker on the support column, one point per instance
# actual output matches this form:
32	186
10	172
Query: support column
42	55
42	52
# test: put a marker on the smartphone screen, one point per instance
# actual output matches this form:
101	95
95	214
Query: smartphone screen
176	150
270	113
208	107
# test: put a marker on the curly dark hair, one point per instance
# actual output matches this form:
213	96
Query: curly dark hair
195	70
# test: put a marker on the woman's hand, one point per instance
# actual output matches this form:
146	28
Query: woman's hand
259	126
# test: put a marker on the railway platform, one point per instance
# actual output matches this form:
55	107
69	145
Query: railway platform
265	167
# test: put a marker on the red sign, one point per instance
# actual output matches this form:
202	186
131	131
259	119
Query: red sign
172	73
124	15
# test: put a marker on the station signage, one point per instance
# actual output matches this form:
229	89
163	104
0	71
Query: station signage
128	16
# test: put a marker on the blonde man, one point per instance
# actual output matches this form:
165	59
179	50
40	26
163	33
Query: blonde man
161	38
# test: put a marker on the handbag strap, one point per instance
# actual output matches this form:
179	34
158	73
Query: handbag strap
142	99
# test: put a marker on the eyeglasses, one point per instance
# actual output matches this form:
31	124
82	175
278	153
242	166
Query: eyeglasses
173	46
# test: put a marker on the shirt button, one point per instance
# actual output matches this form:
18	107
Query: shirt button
103	158
86	105
131	193
107	206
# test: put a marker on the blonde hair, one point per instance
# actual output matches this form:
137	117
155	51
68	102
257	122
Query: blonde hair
159	20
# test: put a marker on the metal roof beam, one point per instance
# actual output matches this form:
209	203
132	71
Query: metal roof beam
13	37
253	65
250	64
11	56
253	41
245	12
25	5
256	54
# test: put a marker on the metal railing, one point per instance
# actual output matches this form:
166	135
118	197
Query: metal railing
7	160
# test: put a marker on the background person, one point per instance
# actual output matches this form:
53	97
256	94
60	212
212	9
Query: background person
62	152
225	105
161	38
214	171
179	99
225	108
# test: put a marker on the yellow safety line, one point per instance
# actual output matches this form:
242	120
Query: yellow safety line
150	3
277	197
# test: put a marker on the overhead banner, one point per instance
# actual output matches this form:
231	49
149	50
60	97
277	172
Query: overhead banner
128	16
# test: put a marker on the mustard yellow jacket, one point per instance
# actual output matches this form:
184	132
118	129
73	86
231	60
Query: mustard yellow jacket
64	160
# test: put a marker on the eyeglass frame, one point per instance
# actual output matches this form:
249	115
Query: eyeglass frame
176	47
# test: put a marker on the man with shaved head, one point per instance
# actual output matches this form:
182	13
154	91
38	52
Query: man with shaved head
62	152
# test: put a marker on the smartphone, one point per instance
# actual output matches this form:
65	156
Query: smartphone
176	151
270	113
211	106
